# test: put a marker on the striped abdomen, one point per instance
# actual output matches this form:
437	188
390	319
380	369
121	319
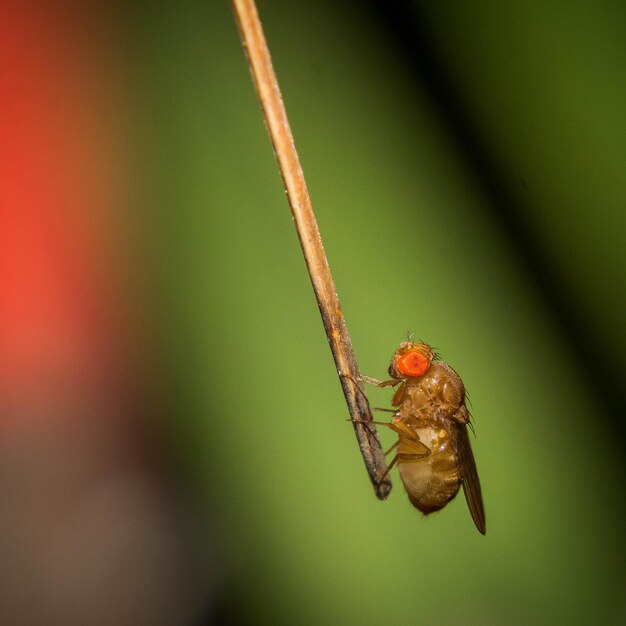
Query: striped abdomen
433	481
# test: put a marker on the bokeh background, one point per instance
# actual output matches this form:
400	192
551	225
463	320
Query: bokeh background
173	443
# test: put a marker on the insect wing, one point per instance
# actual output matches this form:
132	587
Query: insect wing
471	484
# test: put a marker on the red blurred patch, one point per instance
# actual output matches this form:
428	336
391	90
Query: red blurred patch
57	313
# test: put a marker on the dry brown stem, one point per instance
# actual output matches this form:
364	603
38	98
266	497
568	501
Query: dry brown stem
277	124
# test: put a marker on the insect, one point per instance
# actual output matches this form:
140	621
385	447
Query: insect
433	455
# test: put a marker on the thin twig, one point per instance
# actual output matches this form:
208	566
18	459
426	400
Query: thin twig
278	127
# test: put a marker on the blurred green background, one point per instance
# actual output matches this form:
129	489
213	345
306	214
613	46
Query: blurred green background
466	163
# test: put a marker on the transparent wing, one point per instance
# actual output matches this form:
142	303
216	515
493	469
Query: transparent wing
471	484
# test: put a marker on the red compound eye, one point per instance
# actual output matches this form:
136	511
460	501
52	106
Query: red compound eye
413	364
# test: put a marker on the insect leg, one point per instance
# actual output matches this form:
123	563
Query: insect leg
406	432
380	383
399	427
395	445
424	451
403	456
369	380
388	424
393	462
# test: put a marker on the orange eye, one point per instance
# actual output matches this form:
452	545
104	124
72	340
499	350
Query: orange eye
413	364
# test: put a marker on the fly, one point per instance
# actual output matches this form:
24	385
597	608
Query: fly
433	451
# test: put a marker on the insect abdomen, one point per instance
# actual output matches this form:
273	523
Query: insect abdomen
431	482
